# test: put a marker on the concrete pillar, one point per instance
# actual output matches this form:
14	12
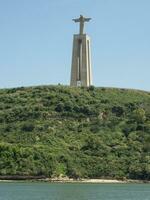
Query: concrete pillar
81	70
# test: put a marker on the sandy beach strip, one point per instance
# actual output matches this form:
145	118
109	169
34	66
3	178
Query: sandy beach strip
70	180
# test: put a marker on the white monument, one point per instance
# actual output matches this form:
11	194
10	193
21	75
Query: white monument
81	70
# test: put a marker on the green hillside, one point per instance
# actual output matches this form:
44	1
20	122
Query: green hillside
75	132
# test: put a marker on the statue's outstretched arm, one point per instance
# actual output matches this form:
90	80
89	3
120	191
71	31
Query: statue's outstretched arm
76	20
88	19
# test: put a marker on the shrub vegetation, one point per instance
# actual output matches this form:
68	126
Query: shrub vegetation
76	132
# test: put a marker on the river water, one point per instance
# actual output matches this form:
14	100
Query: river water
76	191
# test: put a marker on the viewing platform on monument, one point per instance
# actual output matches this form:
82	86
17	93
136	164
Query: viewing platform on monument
81	70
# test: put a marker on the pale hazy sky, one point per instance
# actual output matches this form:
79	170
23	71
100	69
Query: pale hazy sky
36	41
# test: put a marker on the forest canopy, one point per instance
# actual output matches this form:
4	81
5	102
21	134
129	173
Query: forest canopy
76	132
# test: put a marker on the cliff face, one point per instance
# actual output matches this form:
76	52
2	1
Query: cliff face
76	132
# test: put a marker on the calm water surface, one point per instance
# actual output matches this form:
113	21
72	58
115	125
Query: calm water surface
53	191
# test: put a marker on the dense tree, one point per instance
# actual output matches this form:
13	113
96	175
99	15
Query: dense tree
76	132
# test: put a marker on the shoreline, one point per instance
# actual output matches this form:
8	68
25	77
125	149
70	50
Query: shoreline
68	180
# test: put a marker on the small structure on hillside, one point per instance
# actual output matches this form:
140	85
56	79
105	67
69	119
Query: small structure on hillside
81	70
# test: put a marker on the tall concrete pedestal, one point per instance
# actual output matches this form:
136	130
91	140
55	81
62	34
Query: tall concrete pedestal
81	70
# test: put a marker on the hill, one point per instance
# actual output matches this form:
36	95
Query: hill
76	132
